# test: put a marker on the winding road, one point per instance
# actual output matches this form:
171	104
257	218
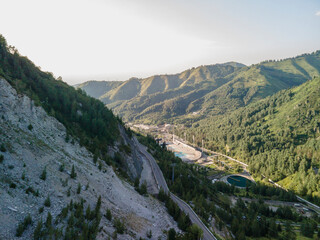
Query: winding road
207	234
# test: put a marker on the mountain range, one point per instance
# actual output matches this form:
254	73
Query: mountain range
202	91
70	169
266	114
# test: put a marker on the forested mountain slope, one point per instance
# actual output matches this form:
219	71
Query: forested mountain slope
98	88
142	95
259	81
278	136
207	90
66	163
85	118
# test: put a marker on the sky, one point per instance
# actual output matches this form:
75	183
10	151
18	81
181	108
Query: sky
82	40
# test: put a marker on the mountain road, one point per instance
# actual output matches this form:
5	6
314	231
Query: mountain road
207	234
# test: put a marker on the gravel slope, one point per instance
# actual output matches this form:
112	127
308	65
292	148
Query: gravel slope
30	151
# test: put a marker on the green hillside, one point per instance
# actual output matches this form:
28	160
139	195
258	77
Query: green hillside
158	94
257	82
278	136
97	88
135	87
85	118
206	90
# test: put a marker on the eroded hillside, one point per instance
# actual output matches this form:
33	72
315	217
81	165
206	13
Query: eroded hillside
37	164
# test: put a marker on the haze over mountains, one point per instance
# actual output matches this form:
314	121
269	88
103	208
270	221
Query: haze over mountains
205	90
63	151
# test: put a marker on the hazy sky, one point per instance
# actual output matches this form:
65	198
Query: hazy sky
116	39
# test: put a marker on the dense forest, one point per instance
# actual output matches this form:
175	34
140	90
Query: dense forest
85	118
278	137
211	201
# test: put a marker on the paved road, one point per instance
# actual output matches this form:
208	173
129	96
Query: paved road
207	235
154	166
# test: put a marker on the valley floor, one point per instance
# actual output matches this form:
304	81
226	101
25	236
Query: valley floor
221	167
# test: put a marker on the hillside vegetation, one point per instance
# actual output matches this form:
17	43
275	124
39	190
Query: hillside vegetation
165	95
278	136
98	88
206	90
245	219
51	186
85	118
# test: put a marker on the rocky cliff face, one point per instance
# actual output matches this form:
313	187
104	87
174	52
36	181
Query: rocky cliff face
32	143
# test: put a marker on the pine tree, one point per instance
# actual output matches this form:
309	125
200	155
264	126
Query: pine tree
37	234
88	213
79	188
49	220
108	214
171	234
73	173
97	209
43	175
47	202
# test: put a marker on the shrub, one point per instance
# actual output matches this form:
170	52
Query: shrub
1	158
79	188
136	183
30	127
108	214
47	202
69	192
171	234
61	167
64	212
43	175
143	188
20	229
3	148
23	225
149	234
31	190
125	148
41	209
67	137
100	165
95	158
37	234
49	220
119	225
